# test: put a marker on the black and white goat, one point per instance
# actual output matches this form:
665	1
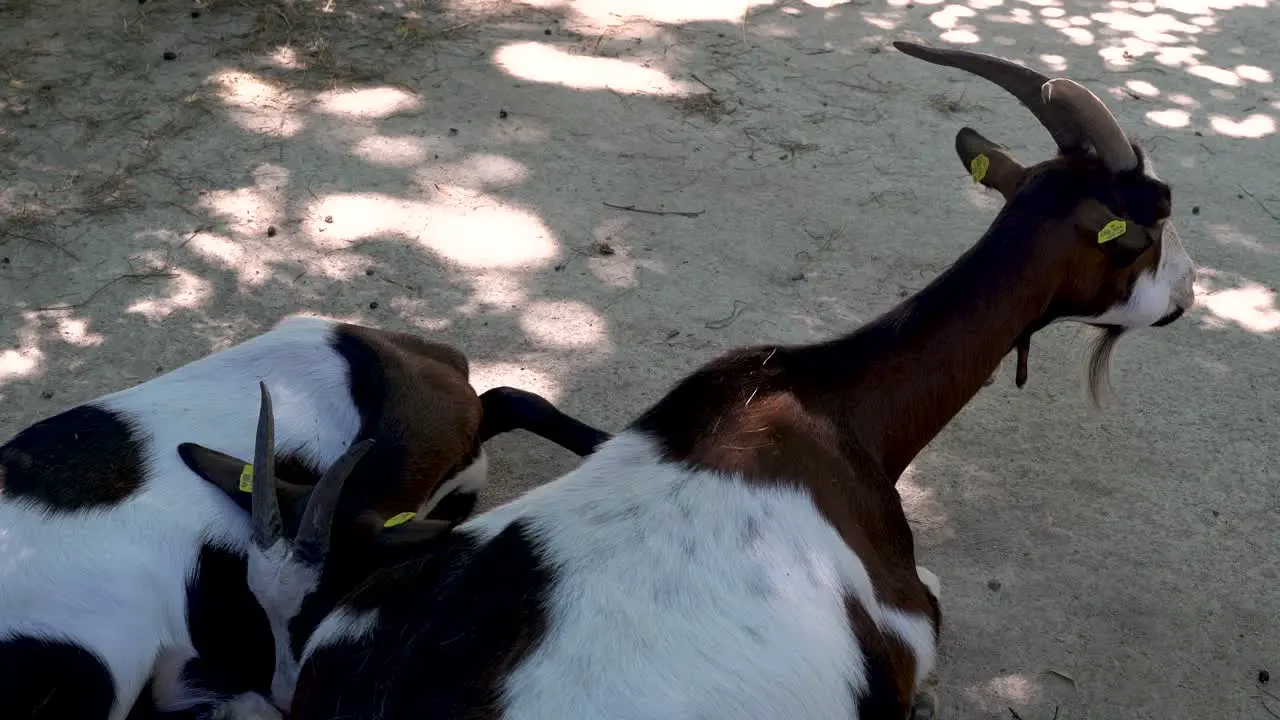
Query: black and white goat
740	550
117	563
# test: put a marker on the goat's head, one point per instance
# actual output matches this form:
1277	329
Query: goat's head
289	564
1099	200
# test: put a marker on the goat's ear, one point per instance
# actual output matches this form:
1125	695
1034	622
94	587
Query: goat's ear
219	469
235	476
1123	240
988	163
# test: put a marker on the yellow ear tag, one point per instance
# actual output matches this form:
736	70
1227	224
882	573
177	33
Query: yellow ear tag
1112	230
400	519
978	167
246	479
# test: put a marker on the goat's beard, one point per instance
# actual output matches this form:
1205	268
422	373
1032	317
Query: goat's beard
1098	369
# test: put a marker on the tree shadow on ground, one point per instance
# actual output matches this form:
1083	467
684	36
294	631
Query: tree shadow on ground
475	172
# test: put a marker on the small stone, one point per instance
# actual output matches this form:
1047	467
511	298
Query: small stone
994	584
602	248
195	13
502	114
453	131
373	305
1199	134
547	31
368	271
170	55
328	218
46	394
271	231
1195	210
1215	513
4	261
1264	676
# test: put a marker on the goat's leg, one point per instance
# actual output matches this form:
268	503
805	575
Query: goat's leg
507	409
925	706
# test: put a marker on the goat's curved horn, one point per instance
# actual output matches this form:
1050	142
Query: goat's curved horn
1021	82
265	508
1095	120
312	542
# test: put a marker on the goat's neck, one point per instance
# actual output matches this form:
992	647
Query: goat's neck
909	372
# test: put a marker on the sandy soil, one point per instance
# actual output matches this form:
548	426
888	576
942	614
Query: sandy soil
174	178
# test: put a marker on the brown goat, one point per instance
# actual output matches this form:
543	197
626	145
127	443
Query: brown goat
740	550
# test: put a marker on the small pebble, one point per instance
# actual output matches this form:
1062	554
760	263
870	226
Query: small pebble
1199	134
328	218
195	13
46	394
368	271
271	231
453	131
993	584
602	248
4	261
1195	210
502	114
1239	196
373	305
170	55
1264	676
1215	513
547	31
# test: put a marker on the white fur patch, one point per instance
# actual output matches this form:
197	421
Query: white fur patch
249	706
471	479
682	595
115	580
930	581
341	625
916	632
280	584
170	693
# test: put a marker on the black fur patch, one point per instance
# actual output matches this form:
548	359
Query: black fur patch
228	628
82	458
454	507
508	408
451	625
53	680
230	633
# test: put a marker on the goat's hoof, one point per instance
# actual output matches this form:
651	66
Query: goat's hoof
925	706
249	706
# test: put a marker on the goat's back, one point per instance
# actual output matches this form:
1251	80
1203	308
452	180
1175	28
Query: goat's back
627	588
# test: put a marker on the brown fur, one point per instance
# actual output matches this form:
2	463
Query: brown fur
431	420
844	418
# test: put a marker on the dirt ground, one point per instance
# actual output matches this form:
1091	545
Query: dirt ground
592	197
